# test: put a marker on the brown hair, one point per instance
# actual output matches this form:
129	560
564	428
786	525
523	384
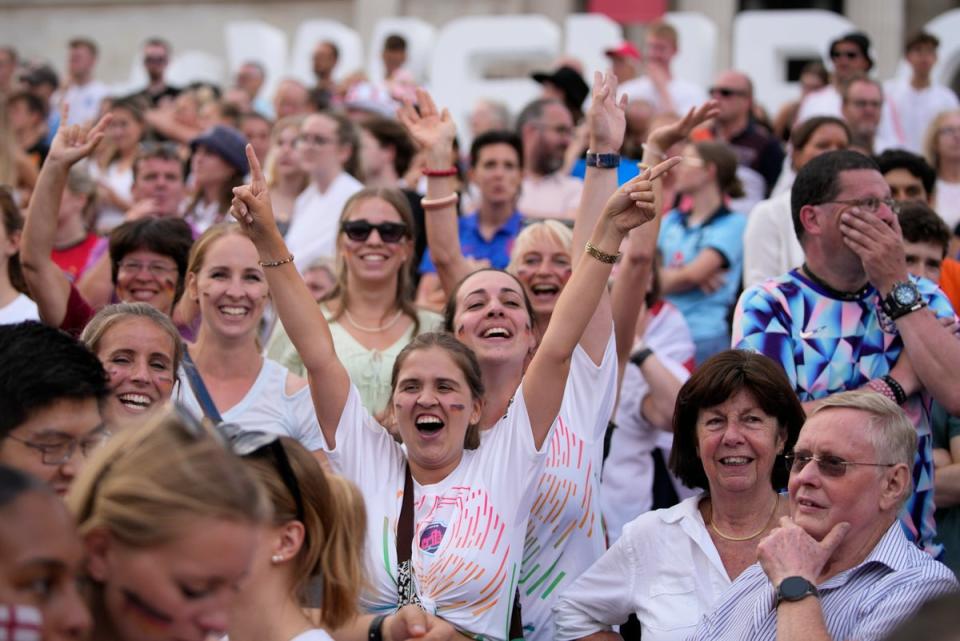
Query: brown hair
464	359
663	30
803	132
270	163
170	237
347	135
722	156
334	521
450	308
12	226
404	291
718	379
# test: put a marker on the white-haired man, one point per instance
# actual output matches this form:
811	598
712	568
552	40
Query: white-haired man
839	567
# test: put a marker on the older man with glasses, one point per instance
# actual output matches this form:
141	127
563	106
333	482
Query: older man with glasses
852	317
839	567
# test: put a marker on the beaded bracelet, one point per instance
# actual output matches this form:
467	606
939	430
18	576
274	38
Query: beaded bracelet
276	263
601	255
900	395
437	203
880	386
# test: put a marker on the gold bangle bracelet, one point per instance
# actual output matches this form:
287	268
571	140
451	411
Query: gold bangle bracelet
602	256
276	263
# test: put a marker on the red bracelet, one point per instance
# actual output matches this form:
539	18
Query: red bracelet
440	173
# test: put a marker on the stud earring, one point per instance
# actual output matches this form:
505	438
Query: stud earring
276	558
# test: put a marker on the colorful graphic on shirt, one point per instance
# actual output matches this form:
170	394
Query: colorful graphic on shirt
431	537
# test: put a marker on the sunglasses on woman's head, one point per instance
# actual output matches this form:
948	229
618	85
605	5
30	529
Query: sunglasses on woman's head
250	444
359	231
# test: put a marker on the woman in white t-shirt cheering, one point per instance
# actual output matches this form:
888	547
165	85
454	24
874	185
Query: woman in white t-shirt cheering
465	516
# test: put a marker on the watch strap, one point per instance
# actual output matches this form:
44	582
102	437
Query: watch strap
603	161
795	588
894	309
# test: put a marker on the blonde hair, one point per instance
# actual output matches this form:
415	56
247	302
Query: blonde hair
930	138
270	163
149	484
334	520
198	252
551	230
113	315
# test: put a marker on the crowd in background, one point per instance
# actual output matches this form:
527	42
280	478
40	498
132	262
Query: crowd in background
645	358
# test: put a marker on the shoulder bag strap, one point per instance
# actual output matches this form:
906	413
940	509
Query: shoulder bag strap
200	390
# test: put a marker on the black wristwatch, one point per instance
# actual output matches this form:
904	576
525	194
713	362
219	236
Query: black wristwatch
795	588
603	161
903	298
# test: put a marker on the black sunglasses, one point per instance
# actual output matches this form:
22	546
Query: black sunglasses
849	55
265	445
726	92
359	230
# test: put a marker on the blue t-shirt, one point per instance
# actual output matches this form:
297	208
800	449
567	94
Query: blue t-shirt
474	245
679	243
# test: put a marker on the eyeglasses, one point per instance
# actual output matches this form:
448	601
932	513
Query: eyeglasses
251	444
871	205
315	140
863	104
726	92
359	231
829	465
155	60
156	269
950	131
849	55
61	450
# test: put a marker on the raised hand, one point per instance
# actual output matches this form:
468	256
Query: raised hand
251	204
667	136
606	119
433	130
634	203
878	243
74	142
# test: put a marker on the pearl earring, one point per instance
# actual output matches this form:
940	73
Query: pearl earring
276	558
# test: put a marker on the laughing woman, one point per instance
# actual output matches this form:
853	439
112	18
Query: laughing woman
225	377
422	498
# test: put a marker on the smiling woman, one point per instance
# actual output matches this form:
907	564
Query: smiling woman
225	377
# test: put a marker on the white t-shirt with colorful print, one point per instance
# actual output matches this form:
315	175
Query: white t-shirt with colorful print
468	528
565	532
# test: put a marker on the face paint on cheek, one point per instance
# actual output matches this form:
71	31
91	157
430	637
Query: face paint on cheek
135	604
457	406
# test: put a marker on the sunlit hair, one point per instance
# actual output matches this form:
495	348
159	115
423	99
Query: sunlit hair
334	521
270	163
149	485
542	230
404	292
465	360
930	151
717	380
113	315
198	253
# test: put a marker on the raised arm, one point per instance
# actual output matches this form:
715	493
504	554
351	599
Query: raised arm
300	314
434	132
544	381
627	297
48	285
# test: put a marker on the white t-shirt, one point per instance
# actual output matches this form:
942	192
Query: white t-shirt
316	217
84	101
565	531
770	245
948	202
121	182
20	309
552	196
685	95
627	487
266	407
316	634
468	528
914	109
665	568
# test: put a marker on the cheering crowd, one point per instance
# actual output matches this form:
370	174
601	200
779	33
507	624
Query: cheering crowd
642	360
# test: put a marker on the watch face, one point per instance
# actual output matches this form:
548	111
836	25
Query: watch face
905	294
794	587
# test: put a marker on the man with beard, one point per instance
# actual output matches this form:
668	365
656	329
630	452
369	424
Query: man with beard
545	127
156	57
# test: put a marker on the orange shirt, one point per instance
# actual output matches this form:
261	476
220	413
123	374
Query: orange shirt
950	281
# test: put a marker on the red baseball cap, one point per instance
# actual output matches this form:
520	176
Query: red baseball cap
624	50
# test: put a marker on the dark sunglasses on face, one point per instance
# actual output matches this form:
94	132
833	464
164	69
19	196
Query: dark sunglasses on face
726	92
829	465
263	445
359	230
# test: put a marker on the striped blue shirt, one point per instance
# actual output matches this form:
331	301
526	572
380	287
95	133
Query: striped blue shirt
863	603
